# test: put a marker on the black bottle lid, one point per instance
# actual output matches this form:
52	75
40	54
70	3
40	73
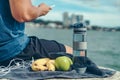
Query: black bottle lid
79	25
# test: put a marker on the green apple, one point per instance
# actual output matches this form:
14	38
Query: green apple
63	63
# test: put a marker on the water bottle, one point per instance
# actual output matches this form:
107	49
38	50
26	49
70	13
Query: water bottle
79	39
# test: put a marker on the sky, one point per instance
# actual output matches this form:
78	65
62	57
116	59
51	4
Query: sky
99	12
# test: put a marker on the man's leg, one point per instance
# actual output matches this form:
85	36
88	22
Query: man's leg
68	49
38	48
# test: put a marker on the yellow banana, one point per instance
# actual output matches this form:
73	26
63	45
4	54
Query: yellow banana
51	65
39	68
39	64
41	61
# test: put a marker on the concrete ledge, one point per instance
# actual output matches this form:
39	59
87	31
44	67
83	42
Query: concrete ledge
116	76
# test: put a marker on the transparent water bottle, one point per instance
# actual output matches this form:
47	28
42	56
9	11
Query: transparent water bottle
79	39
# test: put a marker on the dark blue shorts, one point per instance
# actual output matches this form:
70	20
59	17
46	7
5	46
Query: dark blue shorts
38	48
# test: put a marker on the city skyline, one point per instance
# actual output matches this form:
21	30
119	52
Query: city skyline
99	12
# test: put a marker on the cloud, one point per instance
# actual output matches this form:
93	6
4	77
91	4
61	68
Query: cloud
55	16
102	5
84	3
104	19
96	5
117	3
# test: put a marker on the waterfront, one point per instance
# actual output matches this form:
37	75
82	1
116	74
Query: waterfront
103	47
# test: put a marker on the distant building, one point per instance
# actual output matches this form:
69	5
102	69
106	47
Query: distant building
87	23
74	18
66	20
79	18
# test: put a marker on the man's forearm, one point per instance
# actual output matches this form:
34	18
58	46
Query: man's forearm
32	13
23	10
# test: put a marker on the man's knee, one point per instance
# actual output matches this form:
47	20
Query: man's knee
68	49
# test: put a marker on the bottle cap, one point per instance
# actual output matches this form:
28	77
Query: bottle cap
79	25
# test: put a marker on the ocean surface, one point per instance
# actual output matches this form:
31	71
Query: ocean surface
103	47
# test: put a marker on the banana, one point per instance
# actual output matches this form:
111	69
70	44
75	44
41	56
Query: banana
52	61
41	61
51	65
39	64
39	68
43	64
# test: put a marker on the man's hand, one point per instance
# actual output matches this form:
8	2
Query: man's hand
23	10
44	9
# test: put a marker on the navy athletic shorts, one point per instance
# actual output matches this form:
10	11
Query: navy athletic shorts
38	48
